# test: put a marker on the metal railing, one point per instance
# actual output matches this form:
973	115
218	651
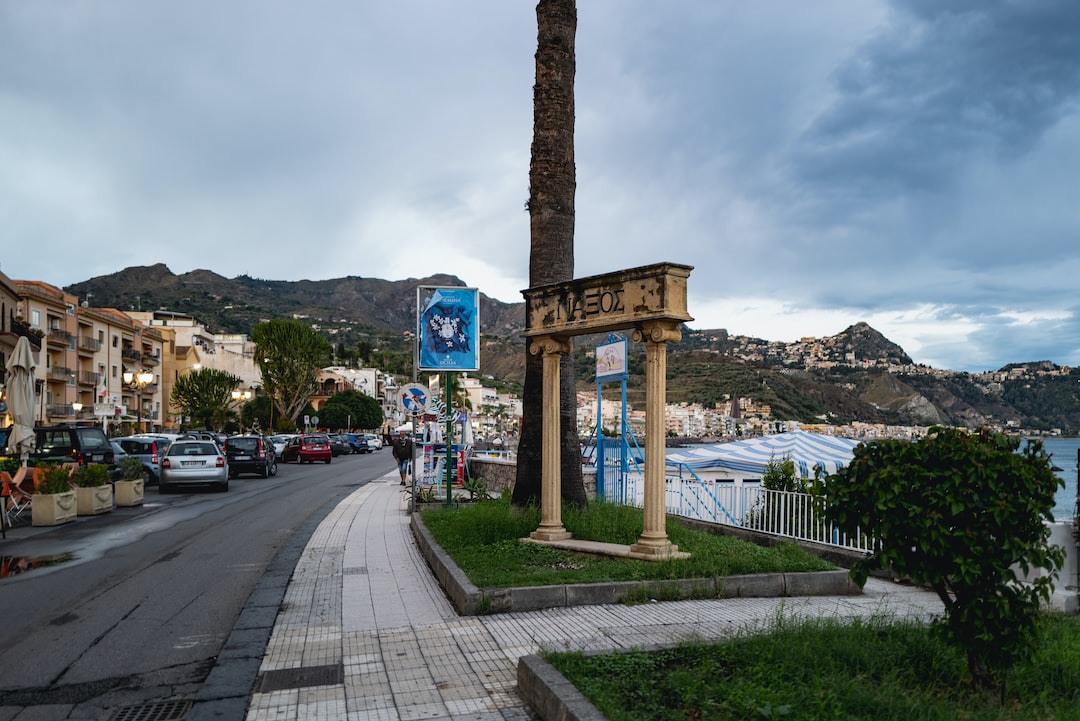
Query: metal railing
88	343
745	504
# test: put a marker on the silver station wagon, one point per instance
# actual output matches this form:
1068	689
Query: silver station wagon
193	463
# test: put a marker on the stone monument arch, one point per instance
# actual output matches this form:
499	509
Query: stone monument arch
651	302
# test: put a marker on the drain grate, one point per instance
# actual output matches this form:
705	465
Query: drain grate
290	678
354	571
157	711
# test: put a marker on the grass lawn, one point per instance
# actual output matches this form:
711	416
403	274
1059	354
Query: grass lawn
880	670
482	538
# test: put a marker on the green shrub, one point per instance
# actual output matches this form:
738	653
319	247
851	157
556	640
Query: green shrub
51	478
91	475
131	468
959	512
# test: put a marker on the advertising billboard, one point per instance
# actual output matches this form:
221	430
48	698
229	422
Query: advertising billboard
448	328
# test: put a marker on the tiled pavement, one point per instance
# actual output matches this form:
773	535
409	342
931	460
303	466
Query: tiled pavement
365	632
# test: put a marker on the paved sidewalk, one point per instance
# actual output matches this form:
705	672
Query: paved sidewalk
365	632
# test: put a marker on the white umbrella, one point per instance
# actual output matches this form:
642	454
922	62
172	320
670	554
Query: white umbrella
21	402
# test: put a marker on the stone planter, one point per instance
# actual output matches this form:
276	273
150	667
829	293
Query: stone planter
52	509
92	500
129	493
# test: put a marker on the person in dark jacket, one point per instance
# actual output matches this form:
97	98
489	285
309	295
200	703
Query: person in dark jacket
403	453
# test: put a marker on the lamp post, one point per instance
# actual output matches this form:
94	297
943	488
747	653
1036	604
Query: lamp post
77	407
138	381
240	396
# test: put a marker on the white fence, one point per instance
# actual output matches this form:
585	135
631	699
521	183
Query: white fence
744	504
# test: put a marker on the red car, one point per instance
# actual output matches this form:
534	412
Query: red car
308	447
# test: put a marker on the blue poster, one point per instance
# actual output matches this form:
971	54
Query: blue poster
449	329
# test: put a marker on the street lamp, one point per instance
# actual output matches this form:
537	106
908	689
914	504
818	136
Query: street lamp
240	396
138	381
77	407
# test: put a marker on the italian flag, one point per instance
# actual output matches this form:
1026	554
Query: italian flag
104	391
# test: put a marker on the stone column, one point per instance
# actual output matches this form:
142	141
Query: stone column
656	335
551	527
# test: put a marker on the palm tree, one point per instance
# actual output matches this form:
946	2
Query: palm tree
552	186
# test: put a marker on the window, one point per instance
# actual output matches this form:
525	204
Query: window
35	318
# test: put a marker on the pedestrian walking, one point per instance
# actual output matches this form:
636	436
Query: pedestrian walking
403	453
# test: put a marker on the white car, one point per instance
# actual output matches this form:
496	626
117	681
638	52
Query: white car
374	441
280	441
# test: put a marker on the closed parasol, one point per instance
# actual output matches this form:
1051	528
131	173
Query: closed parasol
21	401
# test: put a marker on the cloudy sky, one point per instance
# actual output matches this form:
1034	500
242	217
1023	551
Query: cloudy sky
908	164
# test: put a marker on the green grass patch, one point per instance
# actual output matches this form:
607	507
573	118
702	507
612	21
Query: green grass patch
483	540
877	669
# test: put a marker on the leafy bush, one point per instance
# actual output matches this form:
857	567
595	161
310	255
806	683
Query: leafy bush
91	475
959	512
131	468
51	478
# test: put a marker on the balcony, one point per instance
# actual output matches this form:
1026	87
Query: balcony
89	345
59	337
131	354
150	360
60	373
20	328
89	378
59	410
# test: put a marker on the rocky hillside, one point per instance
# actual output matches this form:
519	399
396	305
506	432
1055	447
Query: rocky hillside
856	375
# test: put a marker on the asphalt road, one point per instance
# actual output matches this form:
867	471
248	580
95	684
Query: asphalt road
133	606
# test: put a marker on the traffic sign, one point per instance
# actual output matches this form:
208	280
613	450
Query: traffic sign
413	397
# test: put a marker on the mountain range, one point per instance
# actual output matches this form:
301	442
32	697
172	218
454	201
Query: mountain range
856	375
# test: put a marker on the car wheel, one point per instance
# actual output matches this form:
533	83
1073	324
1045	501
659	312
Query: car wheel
273	469
147	476
224	487
327	460
164	488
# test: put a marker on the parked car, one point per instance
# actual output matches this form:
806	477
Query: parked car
374	441
189	462
149	449
218	438
309	447
358	443
339	445
250	454
72	444
279	442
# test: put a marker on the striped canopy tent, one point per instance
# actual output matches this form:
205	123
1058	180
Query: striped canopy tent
751	456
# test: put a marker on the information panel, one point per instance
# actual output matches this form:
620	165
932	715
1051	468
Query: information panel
448	325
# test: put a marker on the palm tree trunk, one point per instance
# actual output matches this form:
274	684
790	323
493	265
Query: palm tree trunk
552	186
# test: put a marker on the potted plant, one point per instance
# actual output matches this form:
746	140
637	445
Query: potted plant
93	493
129	489
53	502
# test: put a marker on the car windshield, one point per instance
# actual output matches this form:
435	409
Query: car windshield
244	445
316	439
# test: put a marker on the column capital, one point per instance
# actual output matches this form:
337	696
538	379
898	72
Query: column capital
657	331
550	344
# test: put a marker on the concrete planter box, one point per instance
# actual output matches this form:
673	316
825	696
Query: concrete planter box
52	509
92	500
129	493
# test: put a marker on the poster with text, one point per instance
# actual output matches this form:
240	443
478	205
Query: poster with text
448	323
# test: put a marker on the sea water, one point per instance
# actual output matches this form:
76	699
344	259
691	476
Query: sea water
1063	455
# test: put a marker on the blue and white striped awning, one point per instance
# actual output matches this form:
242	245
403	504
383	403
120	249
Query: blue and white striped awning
751	456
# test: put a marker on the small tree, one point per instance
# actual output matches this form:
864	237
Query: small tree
205	396
959	512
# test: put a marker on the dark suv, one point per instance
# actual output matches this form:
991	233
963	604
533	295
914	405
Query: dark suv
250	454
67	444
